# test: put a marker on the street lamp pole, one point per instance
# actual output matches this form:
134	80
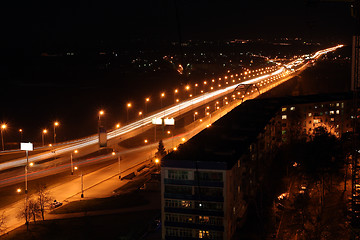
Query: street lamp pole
26	172
161	97
82	185
175	92
21	133
146	101
195	113
42	136
72	162
3	127
127	111
119	159
55	125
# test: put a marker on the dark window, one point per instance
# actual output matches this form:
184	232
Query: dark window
209	176
187	190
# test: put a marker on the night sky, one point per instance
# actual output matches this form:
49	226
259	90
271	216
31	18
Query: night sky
28	26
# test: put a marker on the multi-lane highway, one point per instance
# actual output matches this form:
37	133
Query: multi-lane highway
264	79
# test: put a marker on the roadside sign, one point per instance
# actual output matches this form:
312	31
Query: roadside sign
26	146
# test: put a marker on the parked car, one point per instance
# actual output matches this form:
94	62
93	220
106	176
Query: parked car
56	204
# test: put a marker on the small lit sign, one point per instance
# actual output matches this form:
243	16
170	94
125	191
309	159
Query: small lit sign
169	121
157	121
26	146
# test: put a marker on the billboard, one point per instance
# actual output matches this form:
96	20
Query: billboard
26	146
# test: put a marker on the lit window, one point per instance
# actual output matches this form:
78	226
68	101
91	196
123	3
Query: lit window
316	120
283	117
309	114
292	108
337	125
283	109
332	119
204	234
337	104
331	112
337	111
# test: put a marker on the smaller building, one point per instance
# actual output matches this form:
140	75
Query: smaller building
207	185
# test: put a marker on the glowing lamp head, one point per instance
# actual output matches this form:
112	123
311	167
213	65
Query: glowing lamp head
76	151
118	125
56	124
3	126
101	112
18	190
129	105
113	153
157	161
45	131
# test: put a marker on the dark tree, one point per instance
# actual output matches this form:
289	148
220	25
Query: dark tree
34	209
161	151
25	214
43	198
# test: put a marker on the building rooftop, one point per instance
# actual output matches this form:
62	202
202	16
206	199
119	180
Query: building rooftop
230	137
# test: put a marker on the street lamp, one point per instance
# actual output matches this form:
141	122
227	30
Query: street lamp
195	113
128	105
118	125
55	125
146	101
175	92
71	162
196	85
21	133
161	97
3	127
42	136
101	112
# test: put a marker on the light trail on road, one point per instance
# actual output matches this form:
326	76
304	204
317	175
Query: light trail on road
166	112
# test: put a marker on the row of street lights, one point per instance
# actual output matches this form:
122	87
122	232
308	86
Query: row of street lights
43	133
247	74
